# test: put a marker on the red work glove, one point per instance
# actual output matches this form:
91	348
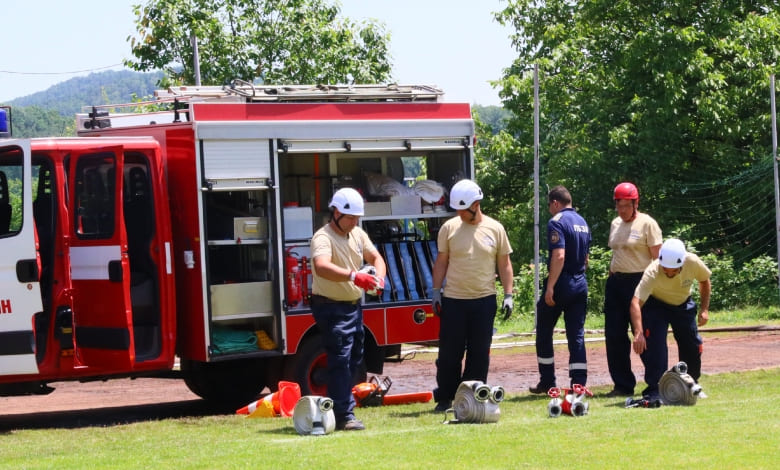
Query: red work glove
365	281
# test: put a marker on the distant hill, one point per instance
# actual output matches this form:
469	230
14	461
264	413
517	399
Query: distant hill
68	97
52	112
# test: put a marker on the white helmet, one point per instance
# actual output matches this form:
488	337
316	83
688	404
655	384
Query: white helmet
347	201
672	254
463	194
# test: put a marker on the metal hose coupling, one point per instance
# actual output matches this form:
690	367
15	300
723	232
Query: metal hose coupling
313	415
568	401
497	394
481	392
476	402
555	407
677	387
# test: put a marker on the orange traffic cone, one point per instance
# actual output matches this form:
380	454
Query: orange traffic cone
263	405
282	402
285	399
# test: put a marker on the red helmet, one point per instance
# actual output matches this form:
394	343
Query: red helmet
626	191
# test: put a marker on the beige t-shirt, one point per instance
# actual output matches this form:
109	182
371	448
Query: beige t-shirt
473	251
631	241
675	290
345	251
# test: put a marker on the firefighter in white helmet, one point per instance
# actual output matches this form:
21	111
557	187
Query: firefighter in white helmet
338	251
663	298
471	247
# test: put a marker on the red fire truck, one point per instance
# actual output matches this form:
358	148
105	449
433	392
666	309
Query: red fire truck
177	232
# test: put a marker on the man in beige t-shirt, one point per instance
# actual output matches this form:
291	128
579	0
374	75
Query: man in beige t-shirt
635	239
471	247
663	298
338	250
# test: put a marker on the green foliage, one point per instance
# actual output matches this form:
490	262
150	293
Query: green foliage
755	284
664	94
495	117
34	121
273	41
597	272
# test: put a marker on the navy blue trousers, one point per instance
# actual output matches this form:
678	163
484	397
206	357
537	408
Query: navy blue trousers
617	320
571	299
466	328
341	326
656	318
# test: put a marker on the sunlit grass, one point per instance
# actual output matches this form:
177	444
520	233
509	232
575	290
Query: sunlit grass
736	427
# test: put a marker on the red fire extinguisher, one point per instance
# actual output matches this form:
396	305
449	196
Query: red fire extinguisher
306	287
293	275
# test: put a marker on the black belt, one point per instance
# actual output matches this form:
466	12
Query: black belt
321	299
626	275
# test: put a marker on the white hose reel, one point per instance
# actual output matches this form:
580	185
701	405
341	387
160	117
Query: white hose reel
313	415
677	387
476	402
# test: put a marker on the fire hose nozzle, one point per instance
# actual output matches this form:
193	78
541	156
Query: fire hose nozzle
680	368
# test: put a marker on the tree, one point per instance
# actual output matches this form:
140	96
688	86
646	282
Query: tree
661	93
270	41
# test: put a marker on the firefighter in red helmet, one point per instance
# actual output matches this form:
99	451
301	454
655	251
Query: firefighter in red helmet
635	239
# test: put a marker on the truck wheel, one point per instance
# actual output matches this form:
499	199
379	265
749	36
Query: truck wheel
229	383
309	368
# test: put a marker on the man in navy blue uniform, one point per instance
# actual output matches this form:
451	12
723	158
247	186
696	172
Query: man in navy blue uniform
565	291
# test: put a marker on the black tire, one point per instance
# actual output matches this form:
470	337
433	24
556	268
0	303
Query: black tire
309	368
230	383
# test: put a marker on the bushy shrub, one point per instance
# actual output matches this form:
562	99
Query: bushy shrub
755	284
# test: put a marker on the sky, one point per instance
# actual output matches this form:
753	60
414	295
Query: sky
454	44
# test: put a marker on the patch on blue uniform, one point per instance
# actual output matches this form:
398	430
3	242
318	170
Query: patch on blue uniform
554	237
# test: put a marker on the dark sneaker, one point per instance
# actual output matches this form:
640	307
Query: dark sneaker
540	389
443	406
350	425
619	392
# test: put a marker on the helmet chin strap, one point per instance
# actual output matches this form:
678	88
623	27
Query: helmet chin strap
336	220
472	212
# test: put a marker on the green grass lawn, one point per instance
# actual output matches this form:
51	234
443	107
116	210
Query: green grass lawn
736	427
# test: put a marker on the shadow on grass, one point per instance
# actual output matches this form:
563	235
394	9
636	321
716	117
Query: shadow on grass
109	416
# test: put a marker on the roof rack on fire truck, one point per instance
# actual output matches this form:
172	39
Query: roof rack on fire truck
175	100
278	93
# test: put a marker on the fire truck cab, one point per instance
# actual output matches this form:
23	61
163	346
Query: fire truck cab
180	228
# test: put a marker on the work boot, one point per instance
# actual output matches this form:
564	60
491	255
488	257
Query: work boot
540	388
619	392
443	406
350	425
